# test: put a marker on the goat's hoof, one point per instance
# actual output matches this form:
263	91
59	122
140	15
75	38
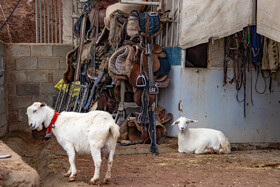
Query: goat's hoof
106	180
71	178
220	151
93	181
66	174
211	150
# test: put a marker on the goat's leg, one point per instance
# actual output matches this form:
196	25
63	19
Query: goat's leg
72	172
96	155
68	173
221	151
203	149
109	167
209	150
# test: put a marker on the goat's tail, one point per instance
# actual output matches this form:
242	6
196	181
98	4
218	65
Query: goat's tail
115	130
225	145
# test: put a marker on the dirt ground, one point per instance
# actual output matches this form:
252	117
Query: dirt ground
21	27
240	168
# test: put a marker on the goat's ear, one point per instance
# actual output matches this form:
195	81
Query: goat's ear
43	104
193	121
175	123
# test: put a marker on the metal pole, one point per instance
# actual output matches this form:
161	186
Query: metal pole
183	58
59	17
48	18
172	23
36	21
166	35
55	26
41	29
45	25
178	21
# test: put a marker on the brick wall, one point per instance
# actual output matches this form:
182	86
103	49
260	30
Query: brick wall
3	103
32	71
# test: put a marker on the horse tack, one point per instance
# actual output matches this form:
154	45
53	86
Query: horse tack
138	95
145	87
82	34
132	27
69	73
141	79
143	117
163	84
116	28
236	48
160	78
135	72
98	12
156	63
167	117
164	67
120	62
120	118
145	135
153	89
136	76
157	49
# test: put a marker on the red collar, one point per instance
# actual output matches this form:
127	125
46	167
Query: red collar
49	130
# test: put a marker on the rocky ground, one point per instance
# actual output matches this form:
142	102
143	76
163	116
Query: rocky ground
240	168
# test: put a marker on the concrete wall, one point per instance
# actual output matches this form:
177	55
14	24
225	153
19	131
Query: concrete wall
32	71
67	21
3	103
205	99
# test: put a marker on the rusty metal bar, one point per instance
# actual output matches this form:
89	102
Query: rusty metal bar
55	26
45	25
59	96
41	29
59	17
72	87
36	21
83	99
51	21
48	20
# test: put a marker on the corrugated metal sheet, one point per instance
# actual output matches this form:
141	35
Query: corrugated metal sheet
205	99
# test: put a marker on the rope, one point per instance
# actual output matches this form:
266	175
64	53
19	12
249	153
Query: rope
4	23
264	79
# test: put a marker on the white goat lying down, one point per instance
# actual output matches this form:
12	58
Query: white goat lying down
200	140
90	133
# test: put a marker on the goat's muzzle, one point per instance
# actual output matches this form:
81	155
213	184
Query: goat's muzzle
32	126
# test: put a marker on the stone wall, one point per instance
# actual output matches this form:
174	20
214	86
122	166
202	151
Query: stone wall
32	71
3	103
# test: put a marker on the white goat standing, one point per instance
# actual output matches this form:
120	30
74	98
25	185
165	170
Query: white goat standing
90	133
200	140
